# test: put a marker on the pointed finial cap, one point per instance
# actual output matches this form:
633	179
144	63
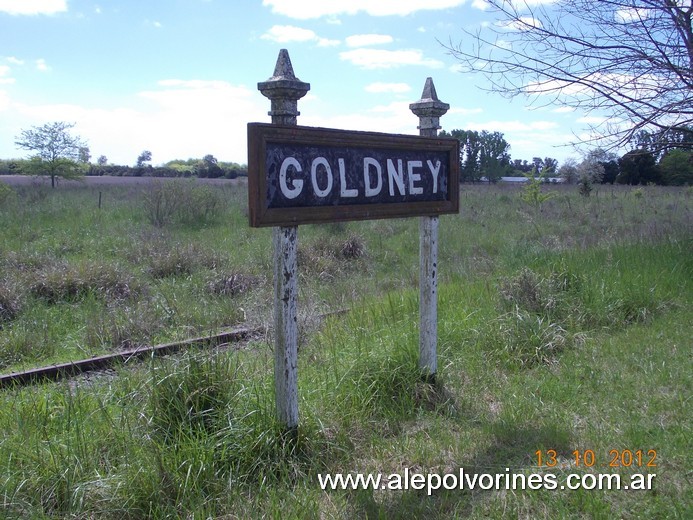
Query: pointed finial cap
429	91
283	69
283	83
429	104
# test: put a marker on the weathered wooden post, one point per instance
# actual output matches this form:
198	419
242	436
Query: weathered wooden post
284	90
429	109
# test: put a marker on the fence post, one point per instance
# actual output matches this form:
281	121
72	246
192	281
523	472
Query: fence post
284	90
429	109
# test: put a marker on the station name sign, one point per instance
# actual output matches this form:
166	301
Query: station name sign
302	175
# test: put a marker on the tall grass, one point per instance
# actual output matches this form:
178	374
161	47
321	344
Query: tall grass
564	327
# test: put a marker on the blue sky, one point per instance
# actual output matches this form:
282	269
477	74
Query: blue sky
179	77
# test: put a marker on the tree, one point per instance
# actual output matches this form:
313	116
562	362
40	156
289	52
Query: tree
521	165
482	154
676	168
494	157
658	144
568	171
611	171
56	151
84	155
638	167
590	171
631	60
209	167
551	165
531	192
469	153
144	157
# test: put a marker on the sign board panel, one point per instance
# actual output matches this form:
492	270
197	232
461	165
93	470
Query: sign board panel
302	175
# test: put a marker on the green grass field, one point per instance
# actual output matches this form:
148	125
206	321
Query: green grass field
564	326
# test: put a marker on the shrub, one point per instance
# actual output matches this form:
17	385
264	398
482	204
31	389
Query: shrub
6	195
232	284
584	187
193	397
352	248
528	340
124	327
183	202
11	301
18	344
69	282
531	192
164	259
555	296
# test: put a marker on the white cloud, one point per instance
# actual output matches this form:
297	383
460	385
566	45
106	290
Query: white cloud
563	110
523	23
630	14
518	4
4	101
32	7
527	139
382	59
5	78
394	88
307	9
290	33
42	65
364	40
465	111
593	120
392	118
14	61
623	85
179	119
513	126
482	5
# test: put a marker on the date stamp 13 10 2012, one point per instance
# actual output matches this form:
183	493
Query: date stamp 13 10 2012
589	458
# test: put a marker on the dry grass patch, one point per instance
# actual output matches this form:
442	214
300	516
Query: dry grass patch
11	300
68	282
233	284
162	259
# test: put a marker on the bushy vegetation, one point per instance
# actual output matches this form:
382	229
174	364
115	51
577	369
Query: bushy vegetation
172	169
566	328
182	202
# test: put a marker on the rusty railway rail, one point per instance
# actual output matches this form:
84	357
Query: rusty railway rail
73	368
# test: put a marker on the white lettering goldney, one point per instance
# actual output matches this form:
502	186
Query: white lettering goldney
376	178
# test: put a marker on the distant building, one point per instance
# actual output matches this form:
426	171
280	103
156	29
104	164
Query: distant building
552	180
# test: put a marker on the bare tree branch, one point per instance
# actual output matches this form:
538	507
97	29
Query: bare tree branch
631	60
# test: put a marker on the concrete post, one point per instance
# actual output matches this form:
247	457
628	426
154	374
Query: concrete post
429	109
284	90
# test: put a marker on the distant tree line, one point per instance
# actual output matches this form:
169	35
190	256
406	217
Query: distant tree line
656	158
665	159
177	168
207	167
56	153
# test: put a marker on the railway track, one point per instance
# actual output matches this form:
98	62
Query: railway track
74	368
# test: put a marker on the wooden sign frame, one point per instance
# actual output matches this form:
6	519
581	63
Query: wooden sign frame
269	137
